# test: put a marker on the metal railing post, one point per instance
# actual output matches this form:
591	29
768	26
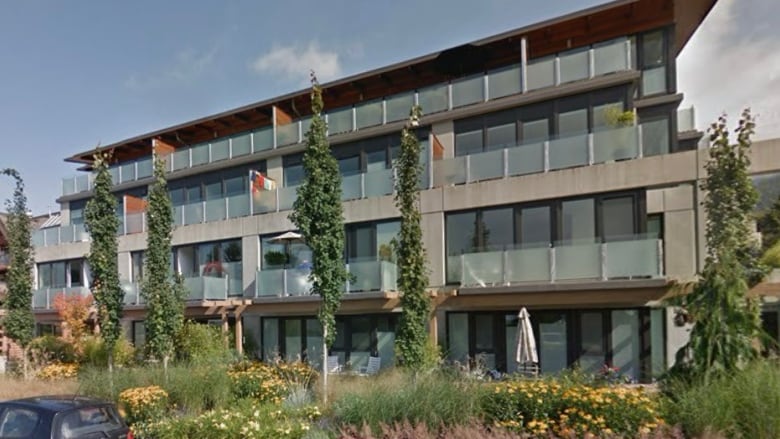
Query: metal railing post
468	169
603	252
546	156
639	142
505	157
591	63
660	244
591	157
524	65
553	267
284	283
557	70
348	282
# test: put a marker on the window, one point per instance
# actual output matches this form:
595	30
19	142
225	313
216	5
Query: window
18	423
136	266
61	274
371	241
222	259
76	273
578	221
212	185
618	218
535	226
87	422
652	58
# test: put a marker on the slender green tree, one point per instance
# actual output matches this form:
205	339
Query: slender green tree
726	322
318	214
19	323
412	337
102	224
162	289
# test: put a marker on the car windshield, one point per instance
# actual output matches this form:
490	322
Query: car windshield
16	422
83	421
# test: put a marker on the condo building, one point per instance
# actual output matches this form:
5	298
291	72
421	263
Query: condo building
559	175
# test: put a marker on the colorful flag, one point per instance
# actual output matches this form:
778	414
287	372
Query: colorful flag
260	182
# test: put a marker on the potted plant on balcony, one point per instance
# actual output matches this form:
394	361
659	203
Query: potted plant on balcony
276	258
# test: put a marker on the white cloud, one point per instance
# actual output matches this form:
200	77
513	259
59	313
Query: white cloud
187	66
296	62
732	62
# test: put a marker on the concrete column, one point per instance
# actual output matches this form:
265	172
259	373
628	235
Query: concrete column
250	249
433	242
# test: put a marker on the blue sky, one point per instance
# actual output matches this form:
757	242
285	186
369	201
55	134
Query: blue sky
75	74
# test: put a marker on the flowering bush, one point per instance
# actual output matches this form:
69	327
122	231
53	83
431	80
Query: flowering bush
541	408
58	371
269	382
244	421
143	404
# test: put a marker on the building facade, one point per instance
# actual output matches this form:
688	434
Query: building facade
559	175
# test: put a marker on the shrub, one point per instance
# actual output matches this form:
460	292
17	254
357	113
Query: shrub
400	397
544	407
422	431
264	382
58	371
246	420
94	352
143	404
198	343
49	348
744	404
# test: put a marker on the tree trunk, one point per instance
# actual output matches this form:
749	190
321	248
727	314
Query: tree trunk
324	365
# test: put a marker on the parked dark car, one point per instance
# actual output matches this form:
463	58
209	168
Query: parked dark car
61	417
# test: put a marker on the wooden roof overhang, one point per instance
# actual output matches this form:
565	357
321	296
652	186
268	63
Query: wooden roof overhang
600	23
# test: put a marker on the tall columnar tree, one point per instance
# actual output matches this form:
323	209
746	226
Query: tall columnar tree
726	321
318	214
412	336
102	224
162	289
19	322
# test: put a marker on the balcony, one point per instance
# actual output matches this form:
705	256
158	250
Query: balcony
640	257
206	288
367	276
566	152
43	299
59	235
579	64
133	295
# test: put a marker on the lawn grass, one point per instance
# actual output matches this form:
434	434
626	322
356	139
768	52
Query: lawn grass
14	388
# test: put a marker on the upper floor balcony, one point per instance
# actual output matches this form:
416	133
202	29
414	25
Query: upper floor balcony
365	276
633	257
523	77
44	298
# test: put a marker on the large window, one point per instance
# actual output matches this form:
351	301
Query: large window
213	185
62	274
565	117
221	259
136	266
371	241
586	220
653	60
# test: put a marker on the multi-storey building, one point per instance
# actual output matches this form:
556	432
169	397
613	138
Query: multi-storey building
558	176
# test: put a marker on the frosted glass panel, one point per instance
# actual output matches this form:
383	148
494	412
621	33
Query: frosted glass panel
487	165
241	145
525	159
615	144
398	106
351	187
263	139
379	183
134	223
200	154
287	196
270	282
483	269
114	172
128	172
541	73
581	261
144	169
368	114
339	121
220	150
654	81
181	159
193	213
238	205
635	258
504	82
298	282
366	276
216	210
468	91
68	185
610	57
568	152
528	264
433	99
574	66
287	134
449	171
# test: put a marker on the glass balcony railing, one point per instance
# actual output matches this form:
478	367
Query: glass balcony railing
206	288
573	65
565	152
59	235
686	120
367	276
43	298
635	257
133	295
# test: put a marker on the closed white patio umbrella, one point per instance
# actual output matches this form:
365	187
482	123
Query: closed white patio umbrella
527	358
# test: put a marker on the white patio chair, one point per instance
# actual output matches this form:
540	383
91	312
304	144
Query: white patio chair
374	363
333	364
